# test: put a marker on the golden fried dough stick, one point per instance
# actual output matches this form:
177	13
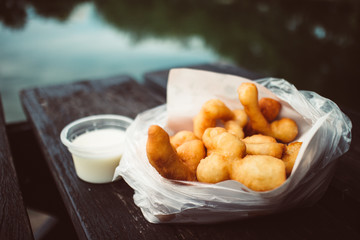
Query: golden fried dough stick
284	129
191	152
163	157
290	154
263	145
211	111
219	141
234	128
270	108
240	116
236	125
213	169
269	148
258	172
182	137
259	138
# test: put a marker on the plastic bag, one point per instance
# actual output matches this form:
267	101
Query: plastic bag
325	133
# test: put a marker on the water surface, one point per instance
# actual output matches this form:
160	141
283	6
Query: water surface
312	44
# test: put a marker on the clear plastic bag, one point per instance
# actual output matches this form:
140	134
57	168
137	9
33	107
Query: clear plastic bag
326	135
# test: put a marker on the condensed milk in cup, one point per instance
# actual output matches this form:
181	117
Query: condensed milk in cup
96	144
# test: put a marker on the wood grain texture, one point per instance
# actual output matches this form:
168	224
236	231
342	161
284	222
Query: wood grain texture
14	220
107	211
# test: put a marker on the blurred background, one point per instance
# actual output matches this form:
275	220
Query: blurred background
312	44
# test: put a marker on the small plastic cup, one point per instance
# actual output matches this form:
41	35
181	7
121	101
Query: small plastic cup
96	144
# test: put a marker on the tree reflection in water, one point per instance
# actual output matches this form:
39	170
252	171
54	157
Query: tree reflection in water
313	44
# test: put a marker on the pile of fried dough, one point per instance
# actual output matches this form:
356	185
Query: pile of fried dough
248	145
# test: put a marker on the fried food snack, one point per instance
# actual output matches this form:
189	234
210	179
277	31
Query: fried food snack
263	145
290	154
219	141
211	111
213	169
240	116
181	137
270	108
259	138
191	152
284	129
259	172
270	149
222	149
212	154
164	158
234	128
236	125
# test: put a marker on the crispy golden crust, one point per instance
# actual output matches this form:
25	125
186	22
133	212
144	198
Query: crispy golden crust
163	157
213	169
211	111
270	108
191	152
290	155
234	128
259	172
181	137
285	130
240	117
219	141
270	149
259	138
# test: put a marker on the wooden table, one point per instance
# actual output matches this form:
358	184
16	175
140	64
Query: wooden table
14	220
107	211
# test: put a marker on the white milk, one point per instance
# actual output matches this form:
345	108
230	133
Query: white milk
99	154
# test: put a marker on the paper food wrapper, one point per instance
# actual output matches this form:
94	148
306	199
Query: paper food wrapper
324	130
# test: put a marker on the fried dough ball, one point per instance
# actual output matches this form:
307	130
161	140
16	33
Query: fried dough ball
219	141
259	172
181	137
191	152
213	169
211	111
164	158
234	128
259	138
270	149
236	125
270	108
284	129
290	155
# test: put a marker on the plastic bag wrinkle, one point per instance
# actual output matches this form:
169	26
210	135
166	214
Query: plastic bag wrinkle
327	129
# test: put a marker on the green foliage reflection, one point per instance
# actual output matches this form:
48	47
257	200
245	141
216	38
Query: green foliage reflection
311	43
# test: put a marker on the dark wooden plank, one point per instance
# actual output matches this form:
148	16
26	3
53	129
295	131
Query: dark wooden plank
107	211
35	179
89	205
14	220
157	80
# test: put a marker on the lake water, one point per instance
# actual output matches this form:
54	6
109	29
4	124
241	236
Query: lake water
313	45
